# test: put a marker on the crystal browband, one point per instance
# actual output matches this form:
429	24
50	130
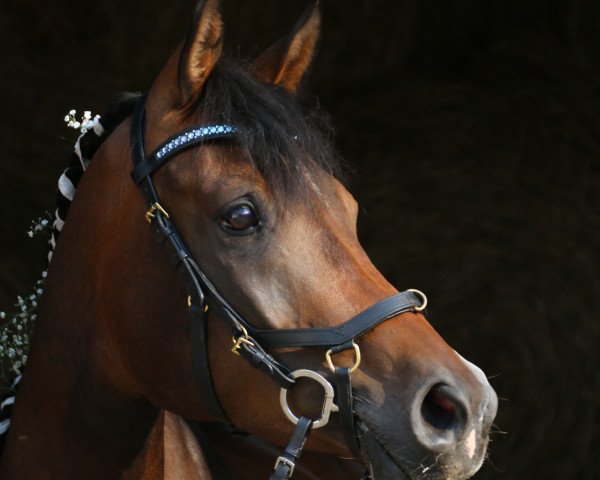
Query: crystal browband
183	140
192	136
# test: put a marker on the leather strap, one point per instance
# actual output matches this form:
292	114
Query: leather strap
200	364
185	267
345	402
343	387
286	462
327	337
261	360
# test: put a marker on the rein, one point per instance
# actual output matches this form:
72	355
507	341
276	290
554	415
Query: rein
250	342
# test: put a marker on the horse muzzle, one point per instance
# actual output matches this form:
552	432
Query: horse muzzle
441	434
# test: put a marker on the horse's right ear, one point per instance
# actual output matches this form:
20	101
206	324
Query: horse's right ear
286	62
182	79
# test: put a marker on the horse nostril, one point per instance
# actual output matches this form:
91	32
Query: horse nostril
441	421
439	409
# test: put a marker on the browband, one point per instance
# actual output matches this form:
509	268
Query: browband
177	143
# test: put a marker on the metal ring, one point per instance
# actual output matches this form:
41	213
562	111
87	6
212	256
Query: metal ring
353	368
328	405
423	299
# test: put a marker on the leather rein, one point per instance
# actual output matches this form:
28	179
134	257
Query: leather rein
250	342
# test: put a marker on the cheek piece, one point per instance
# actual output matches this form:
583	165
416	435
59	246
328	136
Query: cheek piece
249	342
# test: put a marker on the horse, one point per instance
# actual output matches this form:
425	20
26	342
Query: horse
262	254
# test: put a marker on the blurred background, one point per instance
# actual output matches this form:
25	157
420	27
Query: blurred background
474	132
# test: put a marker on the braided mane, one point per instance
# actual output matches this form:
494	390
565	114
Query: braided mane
85	148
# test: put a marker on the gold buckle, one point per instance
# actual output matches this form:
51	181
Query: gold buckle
356	363
189	302
150	213
237	343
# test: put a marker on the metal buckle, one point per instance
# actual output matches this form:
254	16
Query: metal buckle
419	293
189	302
287	462
237	342
328	405
356	363
150	213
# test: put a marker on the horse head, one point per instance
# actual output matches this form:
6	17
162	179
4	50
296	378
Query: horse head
267	220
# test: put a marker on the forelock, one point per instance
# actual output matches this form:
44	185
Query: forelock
287	141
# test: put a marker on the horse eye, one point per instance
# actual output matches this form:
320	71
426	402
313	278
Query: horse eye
239	219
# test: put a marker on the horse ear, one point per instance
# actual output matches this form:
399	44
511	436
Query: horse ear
286	62
201	49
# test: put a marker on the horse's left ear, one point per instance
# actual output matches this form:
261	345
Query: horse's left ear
182	78
201	49
286	62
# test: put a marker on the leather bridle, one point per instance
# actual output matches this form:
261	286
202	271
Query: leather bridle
250	342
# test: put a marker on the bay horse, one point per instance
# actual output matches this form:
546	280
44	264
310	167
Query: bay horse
242	189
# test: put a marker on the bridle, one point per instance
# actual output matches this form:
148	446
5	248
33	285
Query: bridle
250	342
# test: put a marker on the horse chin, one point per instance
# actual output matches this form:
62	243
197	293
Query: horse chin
381	464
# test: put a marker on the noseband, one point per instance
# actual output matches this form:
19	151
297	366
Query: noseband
250	342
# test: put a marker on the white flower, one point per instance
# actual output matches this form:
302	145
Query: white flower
30	233
71	112
2	315
39	291
44	274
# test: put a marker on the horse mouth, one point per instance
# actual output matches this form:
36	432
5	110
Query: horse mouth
381	464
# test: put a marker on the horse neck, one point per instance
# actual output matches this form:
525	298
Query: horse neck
170	453
69	416
175	451
76	414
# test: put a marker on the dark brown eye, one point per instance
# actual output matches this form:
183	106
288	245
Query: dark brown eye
240	219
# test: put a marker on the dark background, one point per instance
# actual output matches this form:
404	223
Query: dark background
474	129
